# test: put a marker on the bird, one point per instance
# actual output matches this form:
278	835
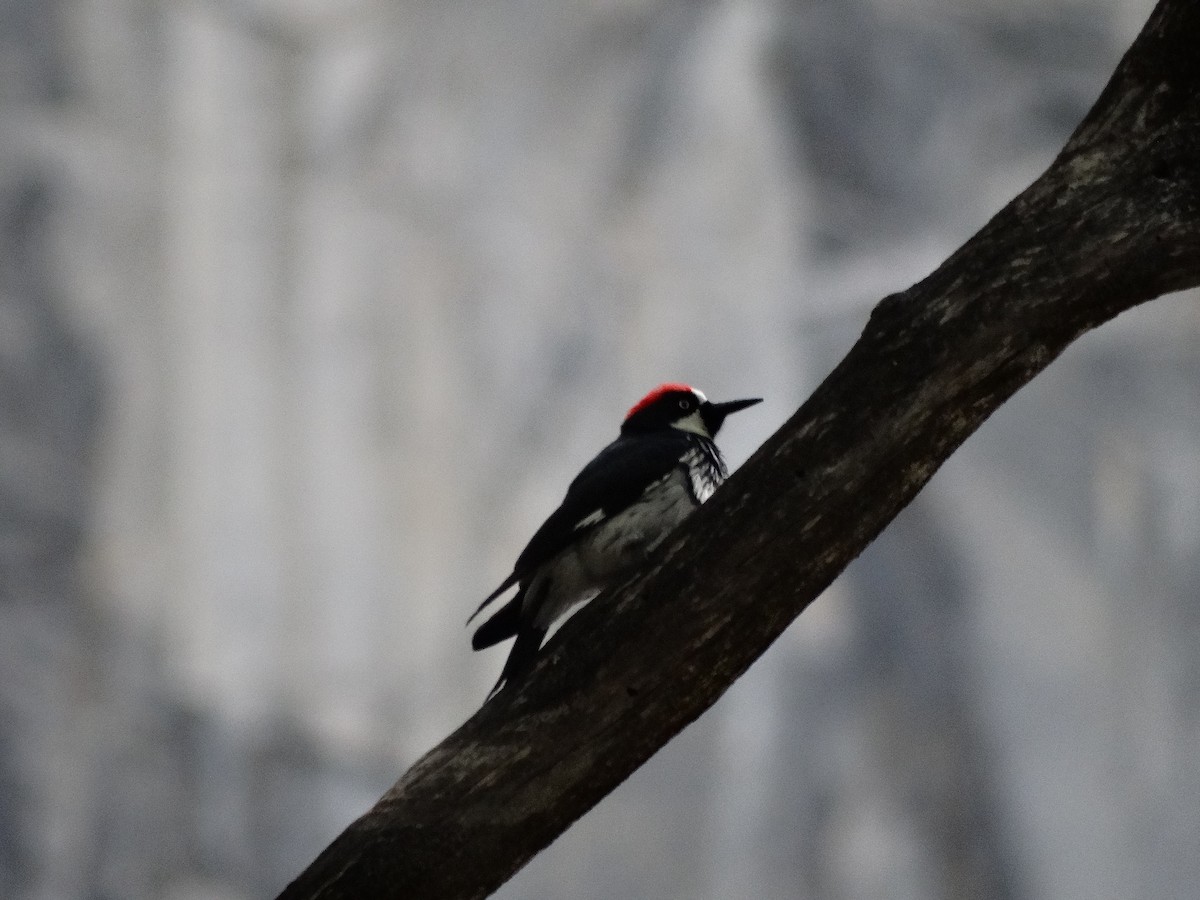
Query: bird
618	509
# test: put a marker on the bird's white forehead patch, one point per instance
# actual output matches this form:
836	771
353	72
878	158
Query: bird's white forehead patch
700	395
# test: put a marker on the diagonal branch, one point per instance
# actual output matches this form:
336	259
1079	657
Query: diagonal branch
1113	222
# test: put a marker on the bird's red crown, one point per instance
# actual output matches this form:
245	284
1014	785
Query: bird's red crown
655	395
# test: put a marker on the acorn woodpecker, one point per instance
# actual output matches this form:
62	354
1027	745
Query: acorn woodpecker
618	509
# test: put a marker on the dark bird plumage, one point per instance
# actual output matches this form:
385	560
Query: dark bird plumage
619	508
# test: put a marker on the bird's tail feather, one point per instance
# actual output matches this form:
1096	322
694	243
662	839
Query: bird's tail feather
521	657
508	582
502	625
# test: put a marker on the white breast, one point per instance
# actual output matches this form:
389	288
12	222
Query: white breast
614	547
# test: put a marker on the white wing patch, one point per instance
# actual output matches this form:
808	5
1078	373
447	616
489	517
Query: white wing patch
592	518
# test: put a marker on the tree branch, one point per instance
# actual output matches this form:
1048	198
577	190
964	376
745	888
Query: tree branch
1113	222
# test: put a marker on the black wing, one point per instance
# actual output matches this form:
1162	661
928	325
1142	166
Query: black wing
608	484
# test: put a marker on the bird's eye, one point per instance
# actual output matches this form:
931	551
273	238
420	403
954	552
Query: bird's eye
685	404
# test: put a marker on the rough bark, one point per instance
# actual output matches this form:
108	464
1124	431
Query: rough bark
1113	222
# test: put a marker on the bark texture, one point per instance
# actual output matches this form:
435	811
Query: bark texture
1113	222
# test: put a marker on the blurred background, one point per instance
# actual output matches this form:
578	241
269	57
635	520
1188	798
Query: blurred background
309	311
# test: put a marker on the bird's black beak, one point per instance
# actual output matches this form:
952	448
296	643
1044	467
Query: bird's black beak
714	413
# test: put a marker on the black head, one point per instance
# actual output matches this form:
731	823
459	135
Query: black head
681	407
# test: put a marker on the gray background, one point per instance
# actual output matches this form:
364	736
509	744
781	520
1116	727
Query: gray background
309	310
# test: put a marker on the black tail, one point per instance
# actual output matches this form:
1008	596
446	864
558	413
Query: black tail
503	624
508	582
521	657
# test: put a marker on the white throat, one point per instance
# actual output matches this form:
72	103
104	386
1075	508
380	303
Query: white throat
694	424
